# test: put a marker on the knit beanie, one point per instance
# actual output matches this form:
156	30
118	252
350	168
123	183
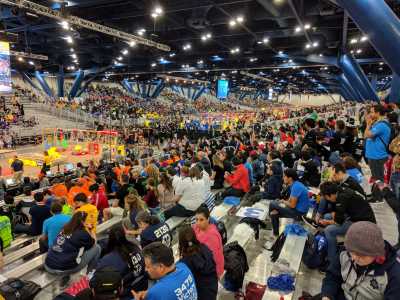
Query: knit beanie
365	238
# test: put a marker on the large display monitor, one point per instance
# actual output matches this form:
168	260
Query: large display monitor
5	70
222	88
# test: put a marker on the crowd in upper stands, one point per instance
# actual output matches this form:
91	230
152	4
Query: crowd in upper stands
251	163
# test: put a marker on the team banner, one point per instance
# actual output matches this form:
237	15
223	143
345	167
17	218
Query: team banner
5	70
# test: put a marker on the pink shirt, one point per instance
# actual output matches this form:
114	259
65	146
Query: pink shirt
212	239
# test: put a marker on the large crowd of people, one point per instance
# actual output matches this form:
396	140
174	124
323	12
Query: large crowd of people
321	148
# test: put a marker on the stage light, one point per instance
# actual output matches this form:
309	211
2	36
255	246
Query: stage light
69	39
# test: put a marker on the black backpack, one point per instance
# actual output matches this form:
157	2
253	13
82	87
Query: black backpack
315	255
276	248
17	289
236	266
222	231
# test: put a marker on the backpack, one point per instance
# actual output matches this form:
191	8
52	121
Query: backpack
235	265
390	198
222	231
5	231
391	138
315	255
376	191
17	289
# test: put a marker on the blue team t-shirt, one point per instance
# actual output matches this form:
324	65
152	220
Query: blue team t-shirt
356	174
177	285
299	191
52	226
375	147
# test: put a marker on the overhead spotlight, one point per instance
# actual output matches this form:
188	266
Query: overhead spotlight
31	63
353	41
290	61
141	31
381	63
280	52
266	40
308	46
307	26
239	19
20	58
208	35
153	65
183	66
235	50
119	58
298	29
315	44
125	52
172	54
69	39
352	51
132	43
187	47
380	69
232	23
259	42
200	62
72	50
325	68
320	55
358	51
65	25
158	11
364	38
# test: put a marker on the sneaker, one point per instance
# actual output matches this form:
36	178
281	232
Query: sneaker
309	222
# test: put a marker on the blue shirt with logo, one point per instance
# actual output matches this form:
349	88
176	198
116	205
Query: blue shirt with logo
299	191
176	285
376	147
52	226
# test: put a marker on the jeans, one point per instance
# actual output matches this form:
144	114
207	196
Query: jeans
178	211
283	212
395	186
89	258
331	232
23	228
232	192
377	168
325	209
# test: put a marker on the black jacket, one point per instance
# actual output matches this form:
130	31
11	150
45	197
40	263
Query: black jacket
353	206
352	184
202	266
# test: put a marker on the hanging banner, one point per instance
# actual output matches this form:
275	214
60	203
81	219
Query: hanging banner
5	70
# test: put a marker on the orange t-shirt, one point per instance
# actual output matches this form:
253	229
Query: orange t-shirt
75	190
59	190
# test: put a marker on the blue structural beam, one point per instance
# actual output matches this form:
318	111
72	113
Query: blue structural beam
377	20
43	84
395	89
345	84
143	90
125	83
159	87
82	89
76	85
25	77
199	93
357	78
148	90
60	82
374	82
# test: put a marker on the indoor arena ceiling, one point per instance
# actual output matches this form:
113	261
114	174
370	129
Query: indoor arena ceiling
270	38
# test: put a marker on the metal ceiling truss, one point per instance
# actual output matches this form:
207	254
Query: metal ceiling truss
58	15
29	55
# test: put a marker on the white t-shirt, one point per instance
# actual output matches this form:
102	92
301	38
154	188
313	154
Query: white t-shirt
192	192
175	180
